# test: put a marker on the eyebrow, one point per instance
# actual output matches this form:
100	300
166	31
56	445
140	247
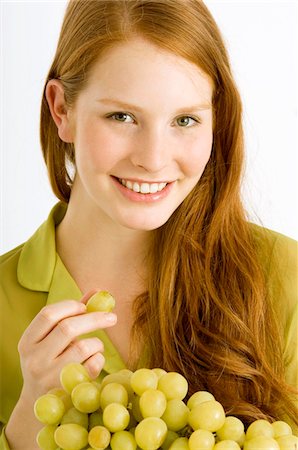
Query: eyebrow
124	105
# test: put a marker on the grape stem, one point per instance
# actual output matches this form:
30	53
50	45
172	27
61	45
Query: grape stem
185	432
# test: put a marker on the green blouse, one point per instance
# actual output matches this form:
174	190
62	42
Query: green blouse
33	275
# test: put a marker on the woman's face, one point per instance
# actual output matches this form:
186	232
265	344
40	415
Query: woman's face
142	132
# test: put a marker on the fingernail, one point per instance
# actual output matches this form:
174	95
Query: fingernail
110	317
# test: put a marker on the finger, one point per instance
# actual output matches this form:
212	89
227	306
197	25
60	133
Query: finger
80	350
72	327
89	294
49	317
95	364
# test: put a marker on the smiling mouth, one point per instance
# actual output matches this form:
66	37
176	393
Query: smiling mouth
143	188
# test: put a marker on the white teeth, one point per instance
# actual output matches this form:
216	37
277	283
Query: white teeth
136	187
153	188
128	184
161	186
144	188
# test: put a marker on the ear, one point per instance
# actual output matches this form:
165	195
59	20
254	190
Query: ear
59	110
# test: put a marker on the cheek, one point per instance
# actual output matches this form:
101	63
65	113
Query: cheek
197	154
96	146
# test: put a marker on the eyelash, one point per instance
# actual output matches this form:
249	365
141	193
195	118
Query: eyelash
112	116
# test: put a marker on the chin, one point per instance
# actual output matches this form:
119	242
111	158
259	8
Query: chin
145	224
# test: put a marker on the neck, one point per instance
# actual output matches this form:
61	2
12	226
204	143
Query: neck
99	253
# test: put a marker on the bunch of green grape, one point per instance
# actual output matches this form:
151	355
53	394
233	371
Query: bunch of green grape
145	410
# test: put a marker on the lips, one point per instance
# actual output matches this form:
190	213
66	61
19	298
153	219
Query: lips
143	191
143	187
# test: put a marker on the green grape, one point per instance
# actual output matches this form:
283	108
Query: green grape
232	429
125	372
153	403
86	397
99	437
281	428
123	440
170	438
142	380
259	427
75	416
201	439
180	444
95	418
241	440
65	397
288	442
173	385
67	401
57	391
176	414
96	384
122	377
226	445
209	416
150	433
113	393
115	417
101	301
71	436
49	409
45	438
199	397
135	407
71	375
261	443
159	372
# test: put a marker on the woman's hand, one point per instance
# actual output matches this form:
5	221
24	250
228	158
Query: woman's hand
48	344
52	340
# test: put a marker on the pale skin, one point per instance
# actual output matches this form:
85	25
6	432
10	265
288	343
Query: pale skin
163	134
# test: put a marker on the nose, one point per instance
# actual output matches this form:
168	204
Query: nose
151	151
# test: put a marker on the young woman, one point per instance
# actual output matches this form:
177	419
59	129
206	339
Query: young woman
142	136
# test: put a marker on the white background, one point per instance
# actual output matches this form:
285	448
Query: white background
261	37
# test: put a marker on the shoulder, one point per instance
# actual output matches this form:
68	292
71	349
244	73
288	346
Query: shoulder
19	302
26	270
10	256
270	239
279	257
13	294
277	253
32	263
8	266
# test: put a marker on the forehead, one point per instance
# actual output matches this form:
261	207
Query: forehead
137	66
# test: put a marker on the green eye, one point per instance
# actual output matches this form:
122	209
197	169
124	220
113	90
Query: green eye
121	117
186	121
